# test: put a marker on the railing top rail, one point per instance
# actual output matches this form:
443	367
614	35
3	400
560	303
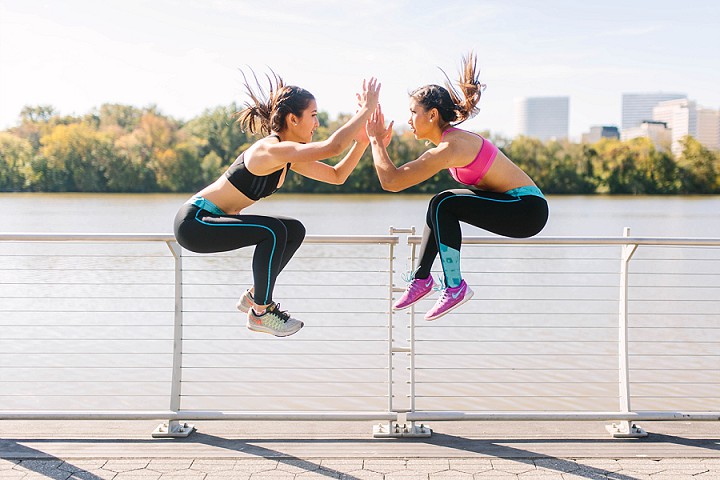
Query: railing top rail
364	239
685	241
167	237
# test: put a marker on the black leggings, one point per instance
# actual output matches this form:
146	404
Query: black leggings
276	239
507	215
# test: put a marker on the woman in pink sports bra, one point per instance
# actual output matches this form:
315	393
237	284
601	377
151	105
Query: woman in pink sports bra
497	196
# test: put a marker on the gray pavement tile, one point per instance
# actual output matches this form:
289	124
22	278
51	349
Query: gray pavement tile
711	475
342	465
228	475
495	475
208	465
384	465
538	475
38	466
600	464
137	474
272	475
81	464
406	475
362	475
470	465
428	465
255	464
126	464
513	466
183	476
556	465
318	475
628	475
93	474
297	465
6	464
12	474
163	465
590	476
450	474
671	476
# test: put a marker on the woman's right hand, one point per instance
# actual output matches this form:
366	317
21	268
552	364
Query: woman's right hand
375	127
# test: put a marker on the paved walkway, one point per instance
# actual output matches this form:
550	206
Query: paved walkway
305	450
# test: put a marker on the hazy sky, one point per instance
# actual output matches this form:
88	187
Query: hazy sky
184	55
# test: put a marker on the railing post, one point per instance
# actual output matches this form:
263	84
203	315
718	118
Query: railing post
624	428
394	429
176	428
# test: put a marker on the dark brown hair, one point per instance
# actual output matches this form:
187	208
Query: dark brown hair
454	106
267	109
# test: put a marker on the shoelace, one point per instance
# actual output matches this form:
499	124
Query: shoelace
440	285
275	309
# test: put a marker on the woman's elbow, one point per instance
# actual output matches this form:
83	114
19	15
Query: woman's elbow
390	186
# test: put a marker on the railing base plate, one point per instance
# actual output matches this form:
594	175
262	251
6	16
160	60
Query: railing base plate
395	430
173	429
626	430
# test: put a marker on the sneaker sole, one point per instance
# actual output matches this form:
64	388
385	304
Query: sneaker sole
467	297
413	303
261	329
242	308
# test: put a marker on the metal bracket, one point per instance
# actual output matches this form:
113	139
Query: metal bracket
625	429
173	429
395	430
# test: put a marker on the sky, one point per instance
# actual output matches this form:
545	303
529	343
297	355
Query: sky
186	56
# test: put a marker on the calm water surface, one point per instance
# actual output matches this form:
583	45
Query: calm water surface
681	216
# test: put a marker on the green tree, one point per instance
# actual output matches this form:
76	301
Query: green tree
699	168
15	162
76	156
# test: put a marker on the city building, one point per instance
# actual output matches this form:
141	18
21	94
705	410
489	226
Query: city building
708	128
599	132
638	107
546	118
680	116
658	133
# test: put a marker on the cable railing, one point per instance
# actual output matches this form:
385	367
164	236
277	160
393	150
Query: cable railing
131	326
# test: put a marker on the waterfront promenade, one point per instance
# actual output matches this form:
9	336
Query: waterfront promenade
122	450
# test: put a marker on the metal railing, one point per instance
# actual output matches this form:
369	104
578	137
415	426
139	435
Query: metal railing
561	328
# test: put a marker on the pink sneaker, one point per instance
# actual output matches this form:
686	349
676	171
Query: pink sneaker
418	289
451	298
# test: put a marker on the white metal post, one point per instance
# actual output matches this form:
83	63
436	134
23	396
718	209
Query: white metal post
176	428
624	428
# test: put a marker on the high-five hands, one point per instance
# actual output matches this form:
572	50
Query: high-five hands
375	127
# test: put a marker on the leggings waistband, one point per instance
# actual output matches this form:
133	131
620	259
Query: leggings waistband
205	204
526	190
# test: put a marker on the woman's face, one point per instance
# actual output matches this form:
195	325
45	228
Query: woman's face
419	121
307	123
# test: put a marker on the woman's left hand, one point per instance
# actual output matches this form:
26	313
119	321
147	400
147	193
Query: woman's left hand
376	127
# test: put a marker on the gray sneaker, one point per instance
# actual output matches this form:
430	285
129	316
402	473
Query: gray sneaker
245	302
273	321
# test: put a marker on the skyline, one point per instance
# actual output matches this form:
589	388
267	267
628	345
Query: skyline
185	56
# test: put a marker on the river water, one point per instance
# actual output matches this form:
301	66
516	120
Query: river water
678	216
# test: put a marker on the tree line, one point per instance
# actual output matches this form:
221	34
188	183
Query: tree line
121	148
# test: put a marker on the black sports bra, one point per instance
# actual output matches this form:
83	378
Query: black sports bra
253	186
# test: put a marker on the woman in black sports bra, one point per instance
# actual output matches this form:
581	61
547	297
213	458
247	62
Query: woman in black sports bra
212	220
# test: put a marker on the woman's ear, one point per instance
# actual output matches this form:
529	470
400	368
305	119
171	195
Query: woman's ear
292	119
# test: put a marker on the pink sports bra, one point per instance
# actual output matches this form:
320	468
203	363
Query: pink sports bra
473	172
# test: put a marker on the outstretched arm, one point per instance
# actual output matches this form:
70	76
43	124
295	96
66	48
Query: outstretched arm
334	174
396	179
278	154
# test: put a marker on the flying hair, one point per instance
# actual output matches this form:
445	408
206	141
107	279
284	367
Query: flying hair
469	88
255	117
